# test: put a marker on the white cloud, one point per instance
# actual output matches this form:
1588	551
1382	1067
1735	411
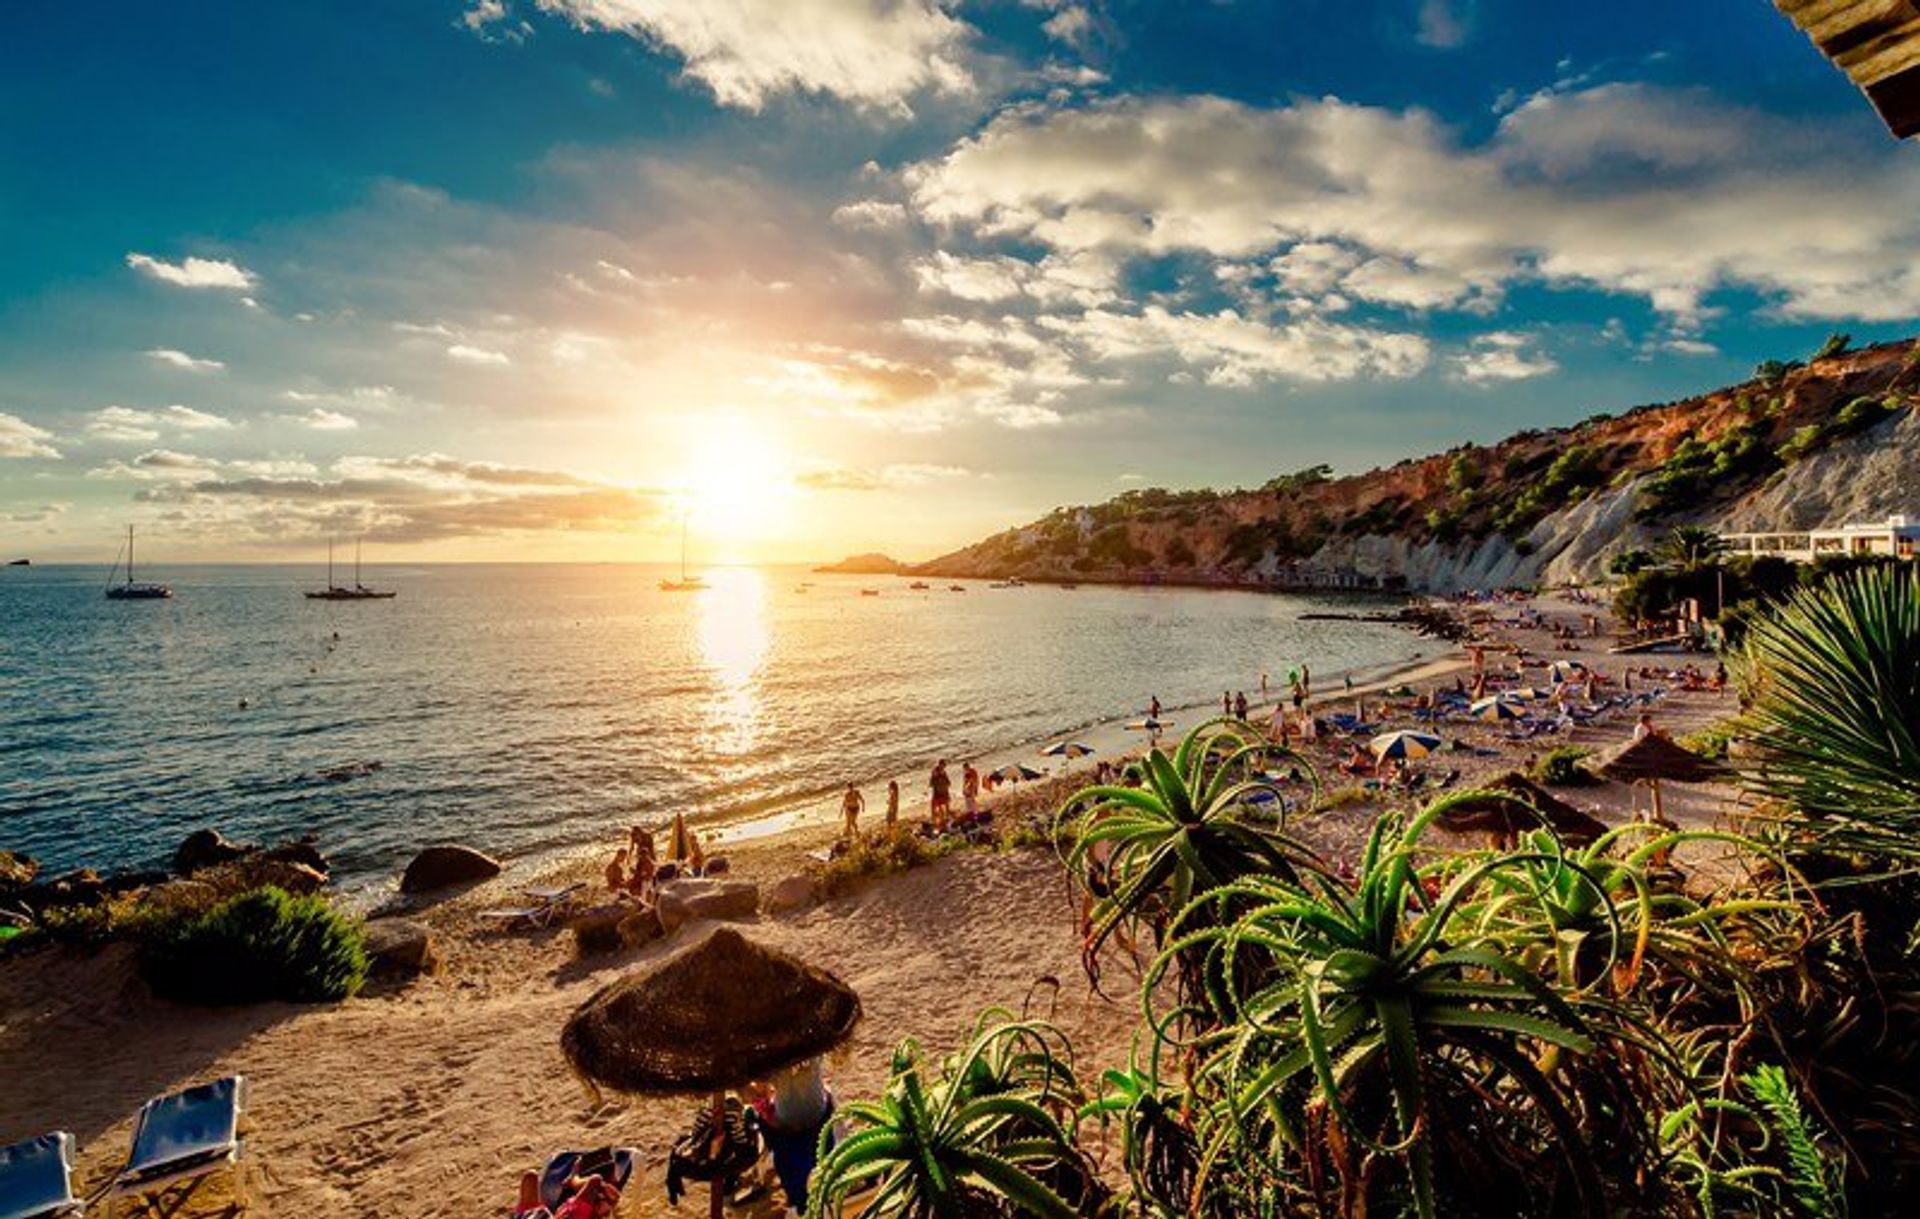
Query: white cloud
1502	355
18	438
195	272
973	279
320	419
127	425
175	358
1444	24
466	353
870	214
157	465
1233	351
873	52
1073	25
1689	347
1662	194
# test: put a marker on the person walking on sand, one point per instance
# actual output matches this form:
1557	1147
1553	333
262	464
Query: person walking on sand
893	804
1226	702
851	806
1306	682
970	789
1240	705
1153	707
1264	696
942	789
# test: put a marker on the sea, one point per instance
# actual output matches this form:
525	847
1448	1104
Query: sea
533	711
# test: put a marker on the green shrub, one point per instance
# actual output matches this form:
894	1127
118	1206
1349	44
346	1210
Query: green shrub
1710	742
1836	345
1561	768
878	855
264	944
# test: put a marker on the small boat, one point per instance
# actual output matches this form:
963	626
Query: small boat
869	592
359	591
956	588
686	583
1000	584
20	563
131	589
1015	582
920	585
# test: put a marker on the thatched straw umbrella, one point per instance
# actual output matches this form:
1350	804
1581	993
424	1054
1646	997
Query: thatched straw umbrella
1501	818
711	1017
1654	758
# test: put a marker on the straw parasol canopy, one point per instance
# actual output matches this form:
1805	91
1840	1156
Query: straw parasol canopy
710	1017
1017	773
1491	814
1654	758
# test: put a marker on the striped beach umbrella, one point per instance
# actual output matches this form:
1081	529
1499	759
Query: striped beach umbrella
1067	749
1566	670
1526	693
1495	709
1405	744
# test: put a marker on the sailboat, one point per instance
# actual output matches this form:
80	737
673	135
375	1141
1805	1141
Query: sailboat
359	591
131	589
686	583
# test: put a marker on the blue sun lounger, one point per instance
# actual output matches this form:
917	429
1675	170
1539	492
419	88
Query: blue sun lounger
36	1178
178	1142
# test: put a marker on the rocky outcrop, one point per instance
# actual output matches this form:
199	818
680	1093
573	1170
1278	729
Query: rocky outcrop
873	564
683	901
400	948
16	872
796	892
443	867
206	849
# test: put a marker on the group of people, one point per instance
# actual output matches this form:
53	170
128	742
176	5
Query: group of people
940	812
636	871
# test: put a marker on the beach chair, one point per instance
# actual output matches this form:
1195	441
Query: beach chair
36	1178
543	906
178	1142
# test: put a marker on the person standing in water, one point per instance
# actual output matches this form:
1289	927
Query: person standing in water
893	804
852	805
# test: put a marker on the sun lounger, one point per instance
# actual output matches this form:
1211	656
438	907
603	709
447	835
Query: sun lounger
543	906
178	1142
36	1178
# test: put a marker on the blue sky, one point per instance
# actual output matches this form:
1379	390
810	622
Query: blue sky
529	278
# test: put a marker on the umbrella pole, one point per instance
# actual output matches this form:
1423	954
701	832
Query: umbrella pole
717	1191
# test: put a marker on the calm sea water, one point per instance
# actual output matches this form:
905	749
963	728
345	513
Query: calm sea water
530	709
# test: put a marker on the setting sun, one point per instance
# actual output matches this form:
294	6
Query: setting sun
734	489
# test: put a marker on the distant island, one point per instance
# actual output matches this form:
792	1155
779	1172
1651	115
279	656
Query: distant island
873	564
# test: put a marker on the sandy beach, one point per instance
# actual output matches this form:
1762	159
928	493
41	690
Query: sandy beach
429	1099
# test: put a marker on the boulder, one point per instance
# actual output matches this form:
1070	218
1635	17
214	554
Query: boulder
400	948
682	901
443	867
296	878
205	849
16	871
80	887
795	892
640	927
304	851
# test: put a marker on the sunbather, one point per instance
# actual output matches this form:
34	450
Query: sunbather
586	1198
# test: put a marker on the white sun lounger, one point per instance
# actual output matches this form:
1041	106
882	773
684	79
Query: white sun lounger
544	905
178	1142
36	1178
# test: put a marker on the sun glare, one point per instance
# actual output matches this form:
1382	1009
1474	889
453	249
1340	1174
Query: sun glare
735	488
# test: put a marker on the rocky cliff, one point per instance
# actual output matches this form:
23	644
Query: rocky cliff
1796	447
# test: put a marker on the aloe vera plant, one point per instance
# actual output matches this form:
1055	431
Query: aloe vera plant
989	1135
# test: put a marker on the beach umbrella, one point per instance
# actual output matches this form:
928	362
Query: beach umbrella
1017	772
1487	810
1067	749
1149	724
1526	693
711	1017
1497	708
682	845
1404	744
1655	758
1566	670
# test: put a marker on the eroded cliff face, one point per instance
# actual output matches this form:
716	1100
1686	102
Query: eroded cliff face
1448	522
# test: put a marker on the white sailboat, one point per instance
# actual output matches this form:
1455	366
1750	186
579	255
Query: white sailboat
131	589
359	591
686	583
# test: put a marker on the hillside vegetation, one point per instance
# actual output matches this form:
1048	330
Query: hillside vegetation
1657	465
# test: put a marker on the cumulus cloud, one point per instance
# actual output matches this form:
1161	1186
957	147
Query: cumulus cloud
1663	194
157	465
872	52
174	358
130	425
321	419
467	353
195	272
18	438
418	498
1502	355
1233	351
870	214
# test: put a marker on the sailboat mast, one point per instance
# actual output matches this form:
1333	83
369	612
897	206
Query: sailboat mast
356	562
129	554
683	547
329	562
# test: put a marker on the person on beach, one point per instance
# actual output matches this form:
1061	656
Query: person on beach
851	806
970	790
587	1198
941	788
1264	696
641	876
1643	727
1306	682
794	1106
617	871
1226	702
893	804
1153	707
1299	696
1240	705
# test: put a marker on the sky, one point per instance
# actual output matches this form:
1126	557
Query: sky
544	279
